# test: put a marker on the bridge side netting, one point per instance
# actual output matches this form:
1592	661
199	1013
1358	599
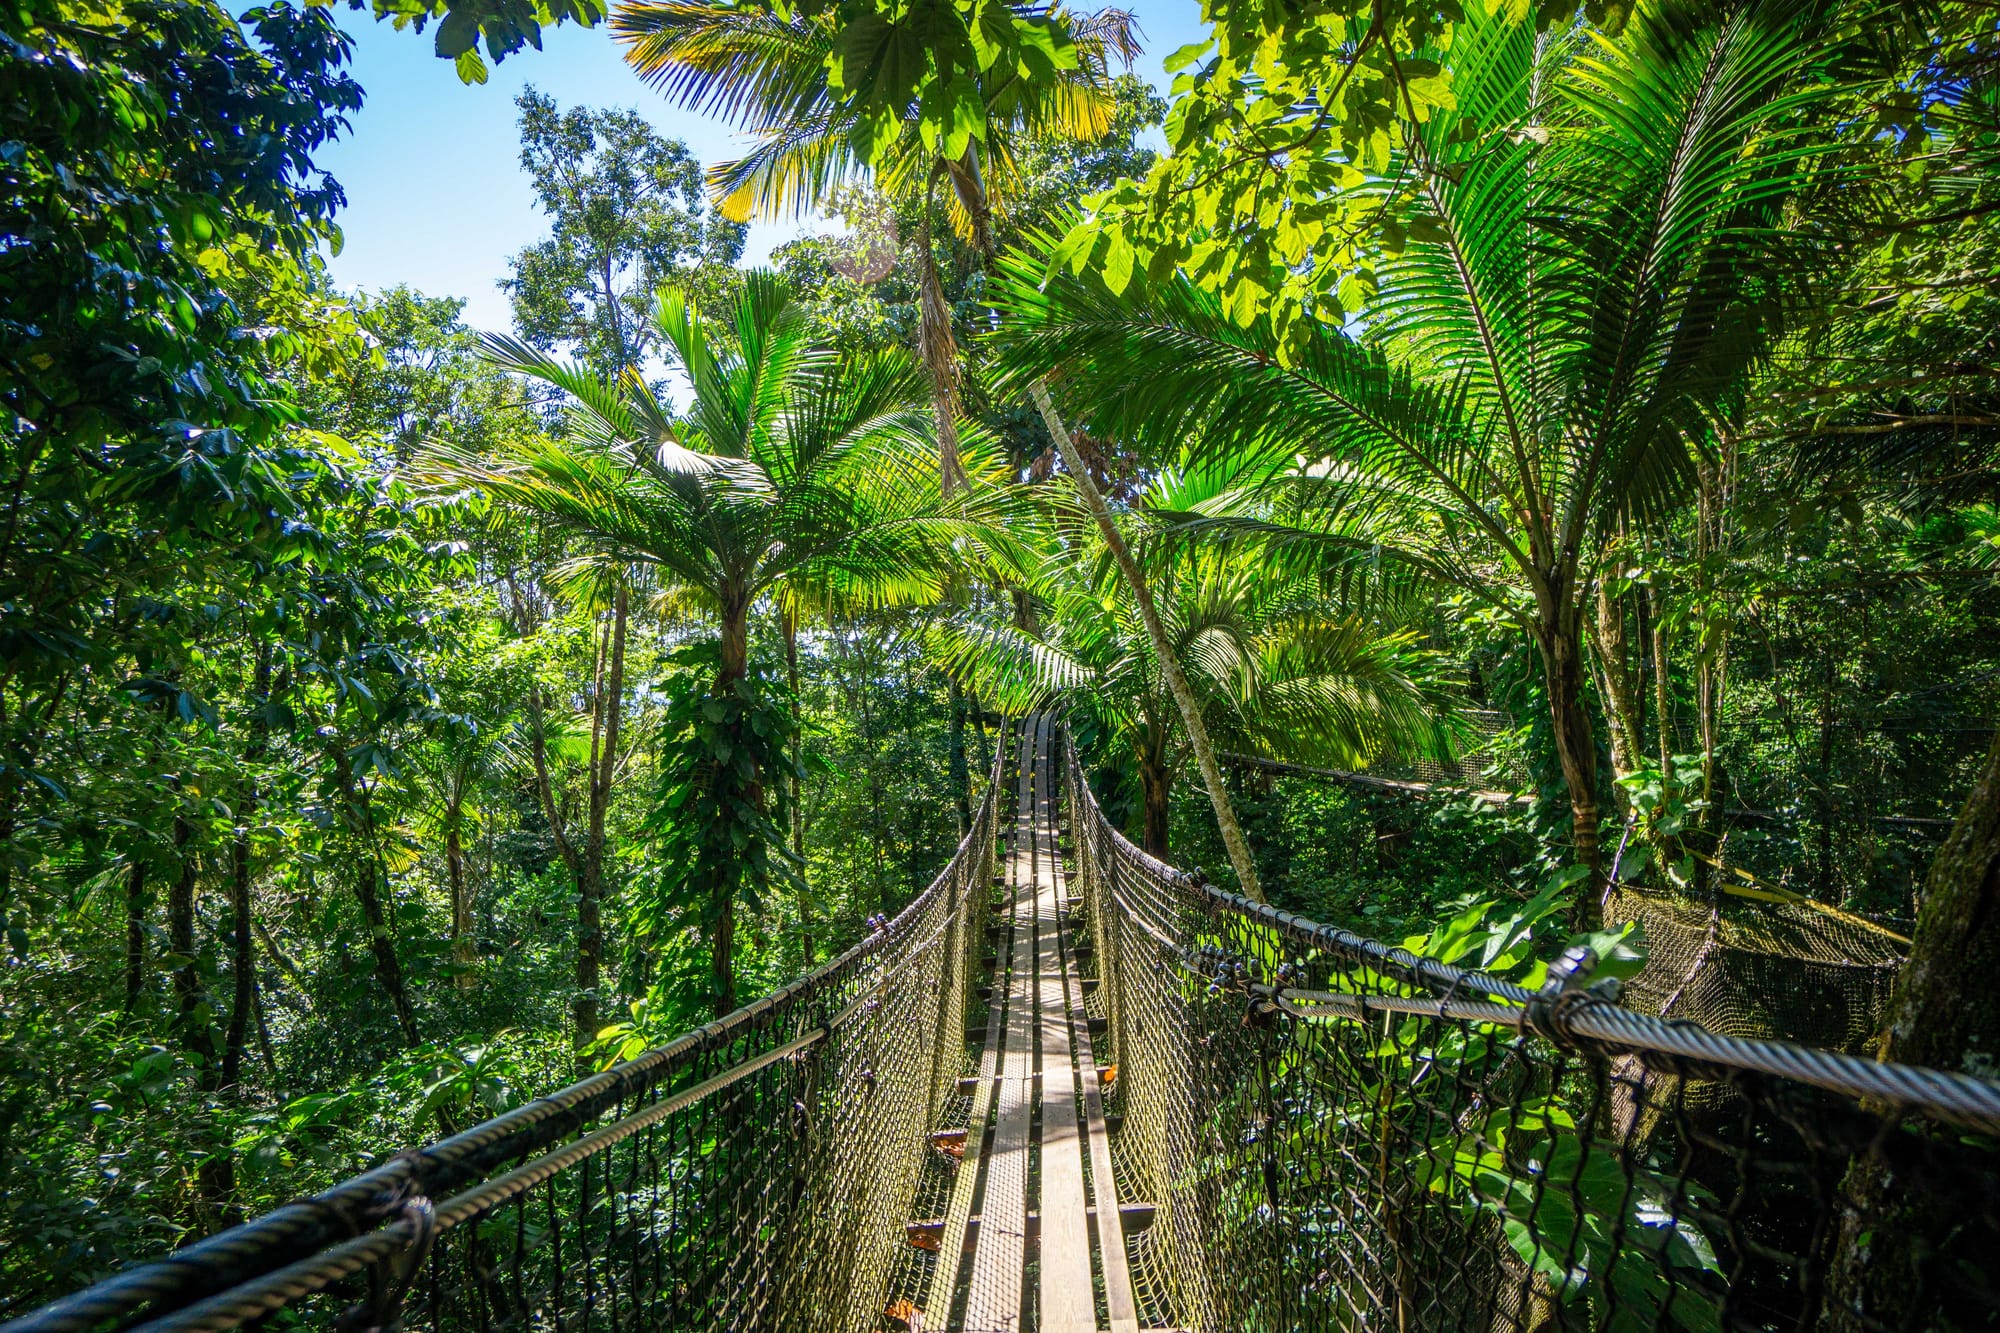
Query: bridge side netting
1340	1135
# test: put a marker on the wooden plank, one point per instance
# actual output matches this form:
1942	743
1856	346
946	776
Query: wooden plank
993	1299
1135	1217
1067	1303
1120	1304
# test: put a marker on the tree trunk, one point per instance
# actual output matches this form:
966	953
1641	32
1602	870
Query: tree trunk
368	892
1170	665
463	955
192	1006
243	959
1712	515
961	779
1156	786
1576	751
545	792
135	934
939	350
1663	681
243	955
612	313
979	735
1946	1009
798	811
609	705
1945	1014
1624	710
382	944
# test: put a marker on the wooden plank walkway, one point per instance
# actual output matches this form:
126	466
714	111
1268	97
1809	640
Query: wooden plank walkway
1021	1200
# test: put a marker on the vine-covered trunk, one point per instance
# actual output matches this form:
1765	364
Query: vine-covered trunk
368	891
1624	699
1576	750
735	665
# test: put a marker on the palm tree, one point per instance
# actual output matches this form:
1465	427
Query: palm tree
794	469
767	74
1583	290
1281	669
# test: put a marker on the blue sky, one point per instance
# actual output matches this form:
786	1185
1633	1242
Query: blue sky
436	196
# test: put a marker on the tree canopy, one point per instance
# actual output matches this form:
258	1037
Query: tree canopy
1490	472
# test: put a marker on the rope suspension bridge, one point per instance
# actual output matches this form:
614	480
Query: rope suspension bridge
1070	1087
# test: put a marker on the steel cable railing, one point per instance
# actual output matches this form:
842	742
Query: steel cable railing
1341	1134
751	1174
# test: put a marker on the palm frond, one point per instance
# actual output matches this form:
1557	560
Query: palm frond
744	65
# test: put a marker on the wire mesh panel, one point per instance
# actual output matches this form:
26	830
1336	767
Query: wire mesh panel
1800	971
752	1174
1339	1134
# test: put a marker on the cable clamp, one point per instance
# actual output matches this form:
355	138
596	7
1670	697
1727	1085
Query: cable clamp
389	1281
1567	990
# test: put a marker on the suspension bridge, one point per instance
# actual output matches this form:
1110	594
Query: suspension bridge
1070	1087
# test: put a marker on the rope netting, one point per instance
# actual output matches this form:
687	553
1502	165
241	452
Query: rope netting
1340	1134
752	1174
1770	969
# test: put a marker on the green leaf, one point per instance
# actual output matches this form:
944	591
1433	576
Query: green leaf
458	34
991	31
1186	56
1118	262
